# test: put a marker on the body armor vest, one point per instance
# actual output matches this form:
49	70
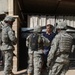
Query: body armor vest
65	43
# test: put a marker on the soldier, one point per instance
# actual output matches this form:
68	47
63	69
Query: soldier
35	43
8	40
58	57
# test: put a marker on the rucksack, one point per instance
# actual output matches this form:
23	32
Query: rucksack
36	42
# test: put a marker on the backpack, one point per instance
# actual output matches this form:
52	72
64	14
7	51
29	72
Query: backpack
36	42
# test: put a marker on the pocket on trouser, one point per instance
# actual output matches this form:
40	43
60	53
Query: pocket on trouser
30	59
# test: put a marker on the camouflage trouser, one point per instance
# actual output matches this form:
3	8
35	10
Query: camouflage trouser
30	63
35	63
58	69
8	62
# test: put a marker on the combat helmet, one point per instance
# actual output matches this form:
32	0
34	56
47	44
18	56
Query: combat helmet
9	18
62	25
37	28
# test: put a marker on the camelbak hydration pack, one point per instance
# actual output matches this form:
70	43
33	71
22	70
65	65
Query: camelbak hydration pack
36	42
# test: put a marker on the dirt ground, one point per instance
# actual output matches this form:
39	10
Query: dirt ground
24	72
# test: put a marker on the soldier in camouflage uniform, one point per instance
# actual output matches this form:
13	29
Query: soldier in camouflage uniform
58	57
8	40
35	51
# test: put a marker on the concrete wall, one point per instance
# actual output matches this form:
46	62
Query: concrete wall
43	20
3	6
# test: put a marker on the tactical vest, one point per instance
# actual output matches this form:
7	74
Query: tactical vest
36	42
65	43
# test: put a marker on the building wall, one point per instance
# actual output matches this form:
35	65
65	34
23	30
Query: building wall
3	6
15	51
43	20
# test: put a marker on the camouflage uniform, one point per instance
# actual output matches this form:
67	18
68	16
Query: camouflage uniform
58	58
8	40
35	57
